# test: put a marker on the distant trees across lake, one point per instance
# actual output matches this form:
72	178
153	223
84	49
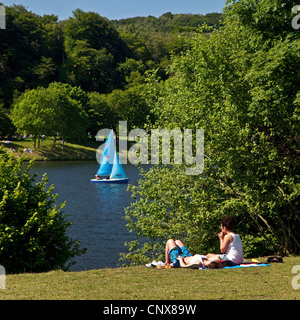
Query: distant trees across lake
88	51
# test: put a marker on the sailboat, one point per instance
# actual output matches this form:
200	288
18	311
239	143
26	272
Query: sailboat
110	169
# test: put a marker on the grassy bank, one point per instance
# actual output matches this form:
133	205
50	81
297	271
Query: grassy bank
141	283
46	151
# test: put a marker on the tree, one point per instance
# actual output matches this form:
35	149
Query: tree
94	49
32	228
56	109
240	85
133	71
6	126
129	105
31	52
30	115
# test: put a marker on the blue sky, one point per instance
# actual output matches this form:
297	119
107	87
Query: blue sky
118	9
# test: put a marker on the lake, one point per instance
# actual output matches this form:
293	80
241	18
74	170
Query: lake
96	210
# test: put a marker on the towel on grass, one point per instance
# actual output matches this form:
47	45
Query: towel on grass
247	265
160	265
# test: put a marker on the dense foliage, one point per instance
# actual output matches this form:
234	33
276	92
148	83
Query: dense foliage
58	108
32	228
241	85
94	49
90	52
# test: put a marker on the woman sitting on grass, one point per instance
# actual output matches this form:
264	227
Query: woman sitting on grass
230	243
177	255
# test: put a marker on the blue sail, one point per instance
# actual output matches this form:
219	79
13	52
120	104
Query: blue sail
107	157
117	170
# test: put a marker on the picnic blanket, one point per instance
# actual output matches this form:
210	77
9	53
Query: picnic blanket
247	265
161	265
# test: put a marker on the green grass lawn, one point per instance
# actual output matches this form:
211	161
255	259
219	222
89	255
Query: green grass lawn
71	151
141	283
46	151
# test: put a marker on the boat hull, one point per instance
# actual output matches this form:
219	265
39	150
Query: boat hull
125	180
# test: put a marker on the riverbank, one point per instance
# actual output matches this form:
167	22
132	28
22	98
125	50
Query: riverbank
47	152
141	283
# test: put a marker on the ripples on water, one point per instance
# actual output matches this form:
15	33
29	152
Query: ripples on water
95	210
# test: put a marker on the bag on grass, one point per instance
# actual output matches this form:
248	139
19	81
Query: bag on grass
275	260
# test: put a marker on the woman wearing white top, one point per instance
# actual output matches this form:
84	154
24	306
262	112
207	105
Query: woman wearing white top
230	243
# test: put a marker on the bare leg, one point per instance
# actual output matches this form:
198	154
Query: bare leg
179	243
169	245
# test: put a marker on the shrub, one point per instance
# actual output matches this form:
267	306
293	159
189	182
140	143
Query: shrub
32	228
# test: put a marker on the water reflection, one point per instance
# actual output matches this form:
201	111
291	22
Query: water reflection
96	210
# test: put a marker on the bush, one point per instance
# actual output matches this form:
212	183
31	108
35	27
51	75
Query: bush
32	228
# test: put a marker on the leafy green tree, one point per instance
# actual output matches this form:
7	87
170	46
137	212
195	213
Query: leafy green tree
120	105
56	109
100	113
136	44
68	118
6	126
44	70
129	105
31	52
94	49
241	85
32	228
29	114
133	71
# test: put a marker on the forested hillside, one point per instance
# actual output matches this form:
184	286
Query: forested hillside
106	59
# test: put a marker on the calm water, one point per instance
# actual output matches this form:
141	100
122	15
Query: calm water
96	210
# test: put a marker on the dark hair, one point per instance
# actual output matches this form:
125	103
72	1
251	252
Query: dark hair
214	265
228	222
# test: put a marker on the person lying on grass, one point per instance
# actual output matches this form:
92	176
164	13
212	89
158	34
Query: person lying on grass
177	255
230	243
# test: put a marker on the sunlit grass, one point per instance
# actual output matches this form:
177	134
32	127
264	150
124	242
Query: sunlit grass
141	283
46	151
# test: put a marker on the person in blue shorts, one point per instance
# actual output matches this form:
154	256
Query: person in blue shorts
177	255
174	249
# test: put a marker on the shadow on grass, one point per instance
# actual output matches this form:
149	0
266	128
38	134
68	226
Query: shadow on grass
47	151
69	152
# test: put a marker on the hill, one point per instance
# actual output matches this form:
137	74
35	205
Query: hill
168	22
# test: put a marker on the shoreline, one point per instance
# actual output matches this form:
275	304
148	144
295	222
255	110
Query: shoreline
47	152
80	151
